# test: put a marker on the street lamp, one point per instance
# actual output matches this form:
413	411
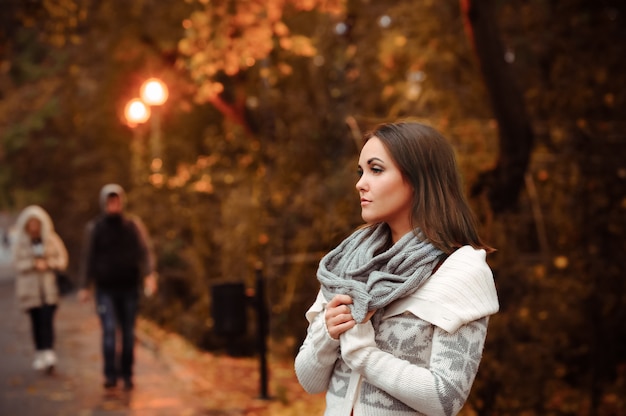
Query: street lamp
154	94
136	113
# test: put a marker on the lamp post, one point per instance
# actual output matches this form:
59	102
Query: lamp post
136	113
154	94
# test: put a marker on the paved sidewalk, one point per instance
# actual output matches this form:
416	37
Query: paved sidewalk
171	376
75	388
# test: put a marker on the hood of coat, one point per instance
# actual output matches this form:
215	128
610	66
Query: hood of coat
108	189
33	211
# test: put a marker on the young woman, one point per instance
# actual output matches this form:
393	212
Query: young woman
37	253
400	322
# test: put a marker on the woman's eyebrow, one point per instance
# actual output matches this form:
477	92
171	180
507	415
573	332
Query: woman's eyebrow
369	161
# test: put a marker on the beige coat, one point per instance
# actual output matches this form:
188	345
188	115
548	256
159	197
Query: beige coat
33	287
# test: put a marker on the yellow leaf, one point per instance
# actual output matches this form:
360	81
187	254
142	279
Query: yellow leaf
281	29
285	43
303	46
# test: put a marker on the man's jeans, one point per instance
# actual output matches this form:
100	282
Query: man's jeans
117	309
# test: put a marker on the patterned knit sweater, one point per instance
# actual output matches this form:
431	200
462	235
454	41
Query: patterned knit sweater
422	359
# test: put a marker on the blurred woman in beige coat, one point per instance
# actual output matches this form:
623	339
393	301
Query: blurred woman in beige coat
38	252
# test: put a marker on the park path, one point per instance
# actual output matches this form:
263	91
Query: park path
171	376
75	387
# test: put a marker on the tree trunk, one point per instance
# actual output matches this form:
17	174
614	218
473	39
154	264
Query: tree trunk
504	183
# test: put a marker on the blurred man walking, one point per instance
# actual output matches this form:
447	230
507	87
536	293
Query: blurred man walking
117	255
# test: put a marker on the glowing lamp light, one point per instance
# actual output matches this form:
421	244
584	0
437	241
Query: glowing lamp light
136	112
154	92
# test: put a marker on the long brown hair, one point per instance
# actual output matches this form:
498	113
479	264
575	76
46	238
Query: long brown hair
426	159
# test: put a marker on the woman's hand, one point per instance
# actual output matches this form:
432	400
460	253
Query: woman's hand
338	316
41	265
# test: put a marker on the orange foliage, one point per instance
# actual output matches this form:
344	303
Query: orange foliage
229	36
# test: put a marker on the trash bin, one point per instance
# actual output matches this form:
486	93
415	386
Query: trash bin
228	304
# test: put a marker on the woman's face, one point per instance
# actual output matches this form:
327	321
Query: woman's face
385	195
33	228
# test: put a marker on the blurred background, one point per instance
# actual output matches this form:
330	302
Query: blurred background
240	155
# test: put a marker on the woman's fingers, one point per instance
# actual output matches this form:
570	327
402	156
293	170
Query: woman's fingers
339	323
338	316
339	300
335	331
337	307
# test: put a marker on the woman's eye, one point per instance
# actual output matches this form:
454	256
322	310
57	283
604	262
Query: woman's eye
376	169
359	172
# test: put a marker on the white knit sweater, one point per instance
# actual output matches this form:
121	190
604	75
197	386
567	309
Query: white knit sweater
424	356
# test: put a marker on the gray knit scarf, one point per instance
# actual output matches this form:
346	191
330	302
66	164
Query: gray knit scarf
361	268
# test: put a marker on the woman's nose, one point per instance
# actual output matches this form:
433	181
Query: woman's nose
360	184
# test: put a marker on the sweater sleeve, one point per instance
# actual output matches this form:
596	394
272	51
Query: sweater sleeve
58	257
440	389
317	356
23	260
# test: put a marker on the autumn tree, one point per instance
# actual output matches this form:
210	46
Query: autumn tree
268	103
